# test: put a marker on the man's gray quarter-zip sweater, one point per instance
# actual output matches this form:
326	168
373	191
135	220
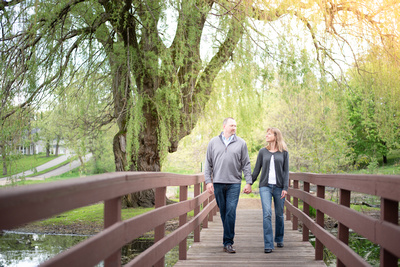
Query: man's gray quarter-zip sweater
225	164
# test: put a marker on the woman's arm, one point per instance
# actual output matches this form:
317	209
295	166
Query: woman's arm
258	166
285	170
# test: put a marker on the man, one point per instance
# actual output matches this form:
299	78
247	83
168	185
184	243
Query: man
227	157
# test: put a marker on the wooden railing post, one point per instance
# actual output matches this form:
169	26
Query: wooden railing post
295	223
196	233
205	203
306	210
319	247
183	195
389	213
214	210
343	232
205	221
159	231
288	198
112	214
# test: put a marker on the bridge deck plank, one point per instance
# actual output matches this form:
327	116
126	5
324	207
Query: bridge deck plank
249	245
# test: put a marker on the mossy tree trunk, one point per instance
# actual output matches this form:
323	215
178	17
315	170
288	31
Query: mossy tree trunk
161	105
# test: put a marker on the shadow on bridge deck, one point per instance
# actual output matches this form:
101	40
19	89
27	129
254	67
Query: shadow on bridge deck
249	245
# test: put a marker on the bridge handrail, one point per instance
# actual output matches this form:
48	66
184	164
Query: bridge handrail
384	231
21	205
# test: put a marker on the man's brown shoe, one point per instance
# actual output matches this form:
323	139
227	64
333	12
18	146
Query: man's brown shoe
229	249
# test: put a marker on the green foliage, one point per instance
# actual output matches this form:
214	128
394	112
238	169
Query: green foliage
149	68
77	117
392	167
365	141
15	134
302	107
312	212
312	113
373	107
365	248
135	124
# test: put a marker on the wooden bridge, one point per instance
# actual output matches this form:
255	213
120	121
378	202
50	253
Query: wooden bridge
25	204
249	245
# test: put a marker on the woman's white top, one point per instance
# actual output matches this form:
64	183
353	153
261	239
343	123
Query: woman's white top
272	174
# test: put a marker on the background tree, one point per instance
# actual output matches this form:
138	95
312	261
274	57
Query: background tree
14	135
46	131
374	105
82	114
300	105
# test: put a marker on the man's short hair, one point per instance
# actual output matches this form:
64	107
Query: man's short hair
226	120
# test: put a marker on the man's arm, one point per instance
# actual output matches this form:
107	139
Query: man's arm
208	165
246	168
208	170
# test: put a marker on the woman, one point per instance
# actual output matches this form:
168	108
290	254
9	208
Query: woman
274	180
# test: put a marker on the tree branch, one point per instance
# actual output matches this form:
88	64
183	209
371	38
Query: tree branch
204	83
4	3
55	77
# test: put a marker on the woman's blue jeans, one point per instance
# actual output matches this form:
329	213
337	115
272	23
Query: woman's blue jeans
267	193
227	197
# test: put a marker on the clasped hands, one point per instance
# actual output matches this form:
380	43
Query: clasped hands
247	189
210	188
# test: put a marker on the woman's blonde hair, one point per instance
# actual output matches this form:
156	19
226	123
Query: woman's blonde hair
279	141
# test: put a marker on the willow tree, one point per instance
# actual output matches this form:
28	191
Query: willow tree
151	52
374	106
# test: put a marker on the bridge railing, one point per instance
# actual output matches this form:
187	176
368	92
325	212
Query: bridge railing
384	231
24	204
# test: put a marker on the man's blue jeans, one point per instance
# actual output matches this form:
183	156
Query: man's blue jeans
267	193
227	197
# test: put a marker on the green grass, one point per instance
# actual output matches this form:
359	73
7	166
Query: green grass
54	167
392	167
384	170
392	158
23	163
363	208
68	175
47	180
93	214
177	170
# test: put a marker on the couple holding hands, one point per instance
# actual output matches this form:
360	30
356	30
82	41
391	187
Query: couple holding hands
226	159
